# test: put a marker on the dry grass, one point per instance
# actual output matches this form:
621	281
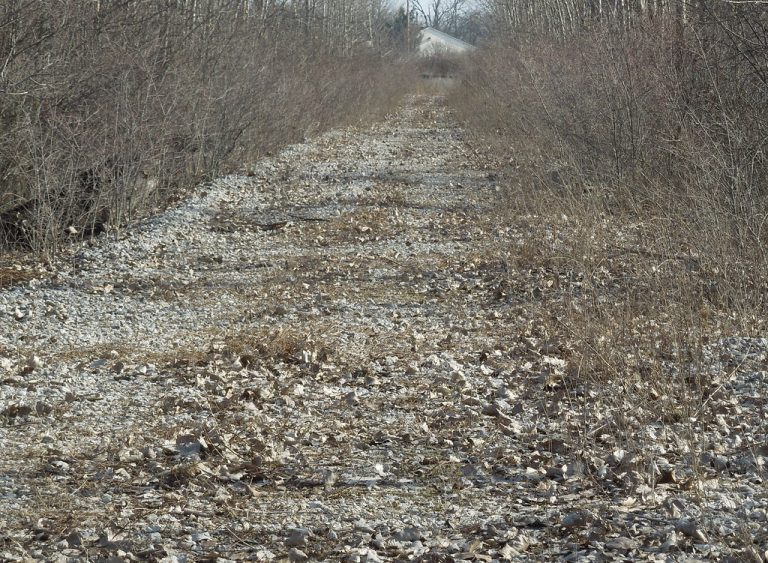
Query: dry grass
436	86
10	276
627	256
278	344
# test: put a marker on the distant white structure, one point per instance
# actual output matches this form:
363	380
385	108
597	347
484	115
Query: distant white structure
434	42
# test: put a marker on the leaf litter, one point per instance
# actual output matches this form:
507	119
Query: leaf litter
379	378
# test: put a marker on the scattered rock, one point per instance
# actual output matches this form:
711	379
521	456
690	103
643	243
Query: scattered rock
621	544
372	380
690	529
297	555
577	519
409	534
297	537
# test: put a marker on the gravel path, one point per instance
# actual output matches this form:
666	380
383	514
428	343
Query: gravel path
313	361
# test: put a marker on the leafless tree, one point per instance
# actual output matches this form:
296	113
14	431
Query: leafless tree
444	15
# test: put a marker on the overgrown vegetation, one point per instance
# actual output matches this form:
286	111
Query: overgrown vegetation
110	110
641	143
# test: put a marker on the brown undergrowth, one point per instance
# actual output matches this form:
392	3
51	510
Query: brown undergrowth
10	277
640	228
112	112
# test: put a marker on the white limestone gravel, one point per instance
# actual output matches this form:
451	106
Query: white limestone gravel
320	360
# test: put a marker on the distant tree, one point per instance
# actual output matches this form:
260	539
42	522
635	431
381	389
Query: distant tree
398	28
473	27
445	15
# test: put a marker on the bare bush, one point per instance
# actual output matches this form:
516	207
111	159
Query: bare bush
639	121
110	110
439	65
640	150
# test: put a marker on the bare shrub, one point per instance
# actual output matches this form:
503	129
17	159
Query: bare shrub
110	110
641	151
440	65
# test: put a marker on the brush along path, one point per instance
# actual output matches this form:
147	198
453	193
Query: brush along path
331	359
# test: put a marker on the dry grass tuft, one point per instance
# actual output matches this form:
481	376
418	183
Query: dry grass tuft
10	276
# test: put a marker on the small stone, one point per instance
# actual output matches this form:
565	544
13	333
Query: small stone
576	519
362	526
297	555
369	556
690	528
297	537
621	544
408	534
